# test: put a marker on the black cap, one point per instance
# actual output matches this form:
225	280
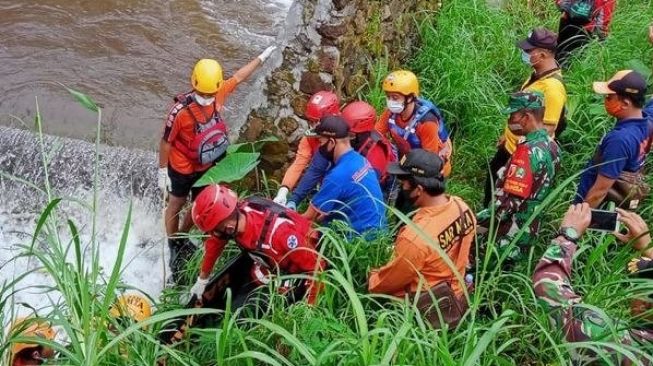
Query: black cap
424	165
627	83
539	38
331	126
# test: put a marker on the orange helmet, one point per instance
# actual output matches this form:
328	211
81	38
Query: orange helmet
30	328
134	306
360	116
215	204
323	103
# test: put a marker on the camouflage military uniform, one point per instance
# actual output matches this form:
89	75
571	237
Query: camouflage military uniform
578	322
523	184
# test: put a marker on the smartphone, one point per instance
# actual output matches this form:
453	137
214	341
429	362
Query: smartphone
604	221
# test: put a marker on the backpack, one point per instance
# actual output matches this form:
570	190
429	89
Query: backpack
272	211
374	139
210	141
578	11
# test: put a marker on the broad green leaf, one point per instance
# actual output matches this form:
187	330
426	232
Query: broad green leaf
233	167
84	100
255	146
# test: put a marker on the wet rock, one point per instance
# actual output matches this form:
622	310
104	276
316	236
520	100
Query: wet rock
360	22
274	155
328	59
312	83
298	104
340	4
386	13
288	125
253	128
355	83
331	31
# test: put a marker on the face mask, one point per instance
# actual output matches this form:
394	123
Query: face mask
324	150
395	106
514	127
204	101
526	58
408	195
612	106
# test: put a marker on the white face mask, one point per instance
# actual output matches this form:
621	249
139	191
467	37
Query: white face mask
395	106
204	101
514	127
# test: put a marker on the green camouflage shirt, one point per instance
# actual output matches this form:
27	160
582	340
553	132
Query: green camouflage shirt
578	322
523	184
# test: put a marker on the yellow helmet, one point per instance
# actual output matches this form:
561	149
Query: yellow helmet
133	306
207	76
403	82
35	328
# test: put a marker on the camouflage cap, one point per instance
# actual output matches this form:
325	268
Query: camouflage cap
524	100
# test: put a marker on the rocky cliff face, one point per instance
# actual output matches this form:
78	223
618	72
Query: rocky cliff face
334	46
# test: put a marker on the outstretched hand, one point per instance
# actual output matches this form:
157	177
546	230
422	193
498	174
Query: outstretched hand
638	232
265	54
650	33
578	217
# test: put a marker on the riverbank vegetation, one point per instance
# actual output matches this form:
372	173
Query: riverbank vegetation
468	63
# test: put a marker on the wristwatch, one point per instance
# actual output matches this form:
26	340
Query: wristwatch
569	233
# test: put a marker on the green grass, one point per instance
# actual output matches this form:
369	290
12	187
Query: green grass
468	64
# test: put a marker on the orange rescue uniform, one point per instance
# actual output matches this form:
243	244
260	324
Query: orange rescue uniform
452	226
305	151
181	126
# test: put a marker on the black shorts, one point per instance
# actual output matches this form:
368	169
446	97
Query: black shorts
182	184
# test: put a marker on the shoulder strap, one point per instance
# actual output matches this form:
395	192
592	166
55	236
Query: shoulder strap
553	73
369	143
271	210
424	107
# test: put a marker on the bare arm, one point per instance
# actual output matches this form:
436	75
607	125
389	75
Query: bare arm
599	190
164	153
312	213
246	71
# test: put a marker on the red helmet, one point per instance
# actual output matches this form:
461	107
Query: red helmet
360	116
212	206
323	103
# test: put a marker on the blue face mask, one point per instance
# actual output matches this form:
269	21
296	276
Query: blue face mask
526	58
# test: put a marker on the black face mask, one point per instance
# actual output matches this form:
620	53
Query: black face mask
406	193
359	139
324	150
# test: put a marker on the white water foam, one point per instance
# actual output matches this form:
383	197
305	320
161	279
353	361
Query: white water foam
143	261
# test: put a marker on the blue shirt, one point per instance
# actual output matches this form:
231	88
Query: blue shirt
648	110
623	148
351	192
317	169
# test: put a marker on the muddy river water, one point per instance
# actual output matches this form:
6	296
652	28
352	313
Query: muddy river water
131	56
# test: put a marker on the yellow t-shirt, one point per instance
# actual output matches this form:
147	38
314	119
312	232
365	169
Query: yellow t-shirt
555	97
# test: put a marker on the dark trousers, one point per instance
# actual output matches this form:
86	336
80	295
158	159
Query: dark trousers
571	36
499	160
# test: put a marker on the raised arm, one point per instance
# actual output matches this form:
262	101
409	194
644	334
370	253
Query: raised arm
246	71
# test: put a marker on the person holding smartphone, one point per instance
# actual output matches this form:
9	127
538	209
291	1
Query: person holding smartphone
580	322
